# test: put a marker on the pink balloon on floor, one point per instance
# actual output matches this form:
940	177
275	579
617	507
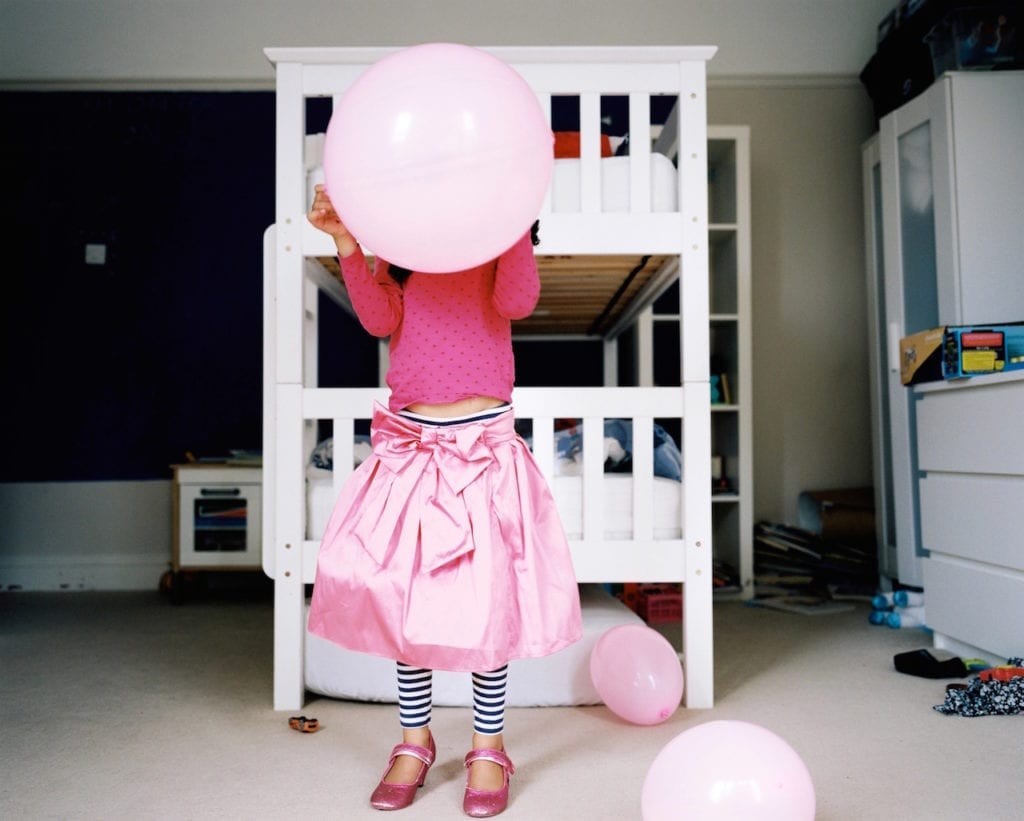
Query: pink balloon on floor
438	157
728	770
637	673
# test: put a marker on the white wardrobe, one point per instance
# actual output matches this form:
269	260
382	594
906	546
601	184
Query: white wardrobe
944	217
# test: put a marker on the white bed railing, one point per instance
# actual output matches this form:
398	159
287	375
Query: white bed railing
596	557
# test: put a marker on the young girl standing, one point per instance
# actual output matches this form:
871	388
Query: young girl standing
445	550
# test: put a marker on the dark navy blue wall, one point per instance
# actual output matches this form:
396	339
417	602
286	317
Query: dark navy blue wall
115	371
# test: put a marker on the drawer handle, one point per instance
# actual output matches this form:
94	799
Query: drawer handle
220	491
894	347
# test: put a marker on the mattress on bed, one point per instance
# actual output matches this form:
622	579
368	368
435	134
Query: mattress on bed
565	184
565	181
617	504
558	680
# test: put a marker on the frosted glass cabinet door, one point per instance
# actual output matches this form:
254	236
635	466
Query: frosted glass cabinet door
917	229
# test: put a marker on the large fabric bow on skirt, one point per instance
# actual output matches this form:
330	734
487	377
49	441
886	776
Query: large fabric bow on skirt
432	491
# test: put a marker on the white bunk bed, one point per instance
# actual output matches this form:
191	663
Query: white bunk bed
598	249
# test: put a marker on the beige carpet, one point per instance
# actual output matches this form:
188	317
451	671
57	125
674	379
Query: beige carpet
121	706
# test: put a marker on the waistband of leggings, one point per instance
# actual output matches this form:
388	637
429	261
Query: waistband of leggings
445	421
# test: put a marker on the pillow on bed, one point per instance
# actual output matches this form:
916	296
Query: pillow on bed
567	145
323	454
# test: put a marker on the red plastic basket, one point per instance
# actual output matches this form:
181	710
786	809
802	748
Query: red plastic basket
663	607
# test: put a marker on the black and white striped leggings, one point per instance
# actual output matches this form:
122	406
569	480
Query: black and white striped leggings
415	698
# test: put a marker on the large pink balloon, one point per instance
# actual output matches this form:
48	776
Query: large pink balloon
637	673
437	158
728	770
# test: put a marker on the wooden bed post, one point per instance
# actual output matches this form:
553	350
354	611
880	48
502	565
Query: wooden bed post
289	598
694	308
287	481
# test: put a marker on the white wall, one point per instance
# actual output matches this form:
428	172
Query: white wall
786	67
84	535
811	417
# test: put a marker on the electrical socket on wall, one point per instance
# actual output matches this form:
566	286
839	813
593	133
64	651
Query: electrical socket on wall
95	253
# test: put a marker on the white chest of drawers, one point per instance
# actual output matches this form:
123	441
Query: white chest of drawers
970	455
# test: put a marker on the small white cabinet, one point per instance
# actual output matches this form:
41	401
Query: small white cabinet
945	239
217	517
970	448
729	290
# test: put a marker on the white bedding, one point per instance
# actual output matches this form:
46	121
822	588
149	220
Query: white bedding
565	184
618	506
559	680
568	493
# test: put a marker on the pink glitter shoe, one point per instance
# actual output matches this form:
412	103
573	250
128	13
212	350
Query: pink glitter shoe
485	803
399	796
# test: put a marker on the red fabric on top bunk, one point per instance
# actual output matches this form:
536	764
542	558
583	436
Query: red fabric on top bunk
567	145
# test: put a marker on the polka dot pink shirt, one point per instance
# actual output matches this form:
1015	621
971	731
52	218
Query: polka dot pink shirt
451	334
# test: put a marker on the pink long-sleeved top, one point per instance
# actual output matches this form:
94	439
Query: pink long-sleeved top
451	334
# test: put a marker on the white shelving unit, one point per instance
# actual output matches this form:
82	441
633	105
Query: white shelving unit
730	342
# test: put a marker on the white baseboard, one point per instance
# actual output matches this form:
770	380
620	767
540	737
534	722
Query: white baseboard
84	535
72	573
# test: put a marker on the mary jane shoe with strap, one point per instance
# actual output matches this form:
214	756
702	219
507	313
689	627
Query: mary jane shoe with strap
485	803
398	796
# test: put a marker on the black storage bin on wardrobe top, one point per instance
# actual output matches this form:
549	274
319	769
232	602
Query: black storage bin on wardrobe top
902	65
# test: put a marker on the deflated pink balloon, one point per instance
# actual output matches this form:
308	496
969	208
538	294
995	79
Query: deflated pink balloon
438	157
728	770
637	673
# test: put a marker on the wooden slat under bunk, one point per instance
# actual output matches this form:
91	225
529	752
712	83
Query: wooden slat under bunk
580	294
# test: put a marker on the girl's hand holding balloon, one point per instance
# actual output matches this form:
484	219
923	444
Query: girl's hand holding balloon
323	216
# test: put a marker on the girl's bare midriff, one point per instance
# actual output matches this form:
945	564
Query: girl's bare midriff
464	407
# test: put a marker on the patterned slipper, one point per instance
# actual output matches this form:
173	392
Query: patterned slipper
303	724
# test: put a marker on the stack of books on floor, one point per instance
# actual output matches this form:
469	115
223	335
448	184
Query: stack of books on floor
725	579
799	571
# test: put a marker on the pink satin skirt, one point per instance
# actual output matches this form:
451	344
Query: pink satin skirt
445	551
